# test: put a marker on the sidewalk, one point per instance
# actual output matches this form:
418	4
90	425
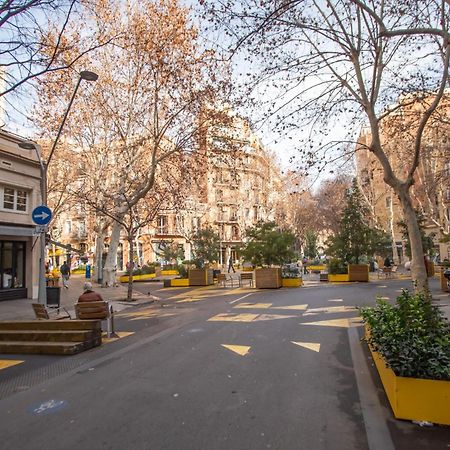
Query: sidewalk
21	309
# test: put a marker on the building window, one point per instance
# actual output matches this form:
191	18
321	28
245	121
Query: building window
195	224
68	226
388	202
162	225
14	199
82	228
219	195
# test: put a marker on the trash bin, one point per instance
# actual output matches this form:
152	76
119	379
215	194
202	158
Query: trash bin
53	296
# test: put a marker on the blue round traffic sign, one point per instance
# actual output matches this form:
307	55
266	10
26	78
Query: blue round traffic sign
41	215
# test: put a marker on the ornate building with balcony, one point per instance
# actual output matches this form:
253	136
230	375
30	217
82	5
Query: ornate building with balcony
240	184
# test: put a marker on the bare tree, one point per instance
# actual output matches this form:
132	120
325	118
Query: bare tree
156	93
38	37
348	60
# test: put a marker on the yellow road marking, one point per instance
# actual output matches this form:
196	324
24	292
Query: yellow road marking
294	307
239	349
332	309
309	345
5	363
142	312
254	305
272	317
152	316
207	291
233	318
120	334
225	317
342	323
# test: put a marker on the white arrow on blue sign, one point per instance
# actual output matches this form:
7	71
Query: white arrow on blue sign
41	215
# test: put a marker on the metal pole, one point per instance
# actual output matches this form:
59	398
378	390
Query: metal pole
42	286
62	124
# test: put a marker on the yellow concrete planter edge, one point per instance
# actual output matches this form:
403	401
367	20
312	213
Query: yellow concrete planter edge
169	272
147	276
414	398
291	282
317	267
179	282
338	278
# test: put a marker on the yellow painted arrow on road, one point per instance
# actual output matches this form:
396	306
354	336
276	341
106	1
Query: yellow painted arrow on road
239	349
341	323
5	363
309	345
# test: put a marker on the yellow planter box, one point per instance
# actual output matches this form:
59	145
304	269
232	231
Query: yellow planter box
146	277
338	277
414	398
317	267
179	282
291	282
169	272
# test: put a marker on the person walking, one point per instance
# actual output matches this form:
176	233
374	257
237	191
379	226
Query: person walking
65	274
230	265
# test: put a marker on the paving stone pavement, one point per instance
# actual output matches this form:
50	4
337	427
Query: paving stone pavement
21	309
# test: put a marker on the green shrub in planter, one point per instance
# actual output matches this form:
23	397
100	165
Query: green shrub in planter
147	269
412	336
182	271
336	266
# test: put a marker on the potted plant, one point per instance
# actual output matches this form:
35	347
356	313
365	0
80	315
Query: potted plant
410	344
266	248
291	276
206	250
337	270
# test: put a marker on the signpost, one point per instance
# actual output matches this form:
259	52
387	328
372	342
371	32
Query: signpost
42	215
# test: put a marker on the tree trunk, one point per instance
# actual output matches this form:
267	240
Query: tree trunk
391	230
99	247
109	271
130	268
418	269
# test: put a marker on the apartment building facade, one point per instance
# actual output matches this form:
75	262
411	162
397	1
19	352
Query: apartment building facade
430	191
19	195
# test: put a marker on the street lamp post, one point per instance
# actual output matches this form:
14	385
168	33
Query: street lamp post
84	75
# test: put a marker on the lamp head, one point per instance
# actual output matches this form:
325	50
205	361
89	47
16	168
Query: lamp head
27	145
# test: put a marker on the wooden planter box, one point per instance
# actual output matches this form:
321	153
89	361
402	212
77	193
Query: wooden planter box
177	282
358	272
291	282
200	277
268	278
338	278
323	277
414	398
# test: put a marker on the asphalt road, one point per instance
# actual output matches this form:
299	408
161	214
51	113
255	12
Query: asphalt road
214	369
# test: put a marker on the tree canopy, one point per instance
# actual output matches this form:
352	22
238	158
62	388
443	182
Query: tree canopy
267	245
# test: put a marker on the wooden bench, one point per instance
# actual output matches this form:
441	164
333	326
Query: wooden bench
225	279
43	312
97	310
388	272
246	276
